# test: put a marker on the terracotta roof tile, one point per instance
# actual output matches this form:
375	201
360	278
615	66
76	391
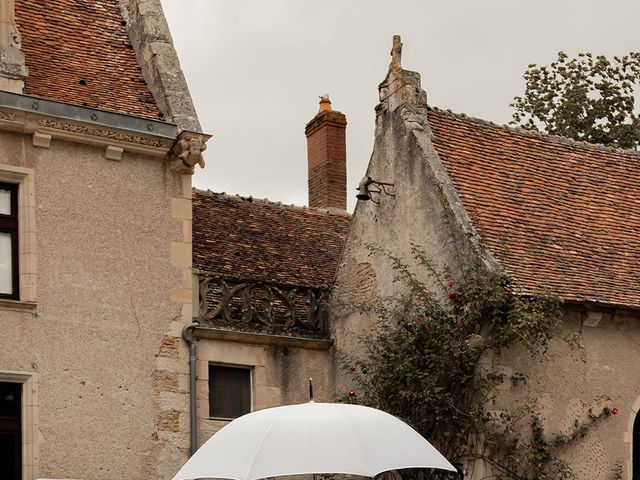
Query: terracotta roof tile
557	214
78	52
245	238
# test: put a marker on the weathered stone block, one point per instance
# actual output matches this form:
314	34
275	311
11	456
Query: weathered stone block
169	421
170	347
163	381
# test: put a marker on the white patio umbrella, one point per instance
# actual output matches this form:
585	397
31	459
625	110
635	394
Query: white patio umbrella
312	438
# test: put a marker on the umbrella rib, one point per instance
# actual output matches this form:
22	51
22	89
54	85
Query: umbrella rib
258	448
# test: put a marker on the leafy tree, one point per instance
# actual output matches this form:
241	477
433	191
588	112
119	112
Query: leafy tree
585	98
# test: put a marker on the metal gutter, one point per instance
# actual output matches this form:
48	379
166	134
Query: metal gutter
77	113
187	336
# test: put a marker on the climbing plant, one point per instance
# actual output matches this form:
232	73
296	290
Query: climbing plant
424	363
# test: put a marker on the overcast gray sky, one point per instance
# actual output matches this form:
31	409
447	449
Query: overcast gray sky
256	67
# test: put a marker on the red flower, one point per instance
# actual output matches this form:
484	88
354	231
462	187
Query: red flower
417	321
450	283
352	393
452	295
614	411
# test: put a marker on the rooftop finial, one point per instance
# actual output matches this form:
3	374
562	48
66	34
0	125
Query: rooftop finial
325	103
396	54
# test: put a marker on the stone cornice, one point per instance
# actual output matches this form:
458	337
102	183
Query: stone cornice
262	338
46	120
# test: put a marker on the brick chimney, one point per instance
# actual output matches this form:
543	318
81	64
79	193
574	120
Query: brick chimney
327	157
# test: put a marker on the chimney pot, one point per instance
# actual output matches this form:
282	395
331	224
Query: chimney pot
325	103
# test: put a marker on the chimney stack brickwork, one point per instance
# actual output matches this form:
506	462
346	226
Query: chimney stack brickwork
327	159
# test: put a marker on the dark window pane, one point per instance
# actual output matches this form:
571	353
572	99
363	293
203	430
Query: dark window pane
229	391
10	431
10	399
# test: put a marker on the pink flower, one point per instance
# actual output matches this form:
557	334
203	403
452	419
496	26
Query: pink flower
450	283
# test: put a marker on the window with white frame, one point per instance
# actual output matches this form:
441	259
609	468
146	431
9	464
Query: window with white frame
9	270
17	237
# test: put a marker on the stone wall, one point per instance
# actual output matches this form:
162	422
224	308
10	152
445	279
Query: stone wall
95	345
568	385
280	376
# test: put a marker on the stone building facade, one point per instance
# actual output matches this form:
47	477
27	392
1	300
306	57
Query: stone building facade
549	213
98	141
264	272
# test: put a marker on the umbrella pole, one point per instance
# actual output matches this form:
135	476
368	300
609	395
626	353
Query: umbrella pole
315	475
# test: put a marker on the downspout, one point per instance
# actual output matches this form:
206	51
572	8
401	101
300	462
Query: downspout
187	336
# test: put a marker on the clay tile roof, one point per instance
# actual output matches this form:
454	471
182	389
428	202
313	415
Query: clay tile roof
251	239
78	52
557	214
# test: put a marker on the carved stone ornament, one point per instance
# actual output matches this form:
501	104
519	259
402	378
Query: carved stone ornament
263	308
99	132
187	152
396	54
7	115
399	86
12	63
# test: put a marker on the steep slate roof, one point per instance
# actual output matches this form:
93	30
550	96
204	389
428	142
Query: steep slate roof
258	240
78	52
557	214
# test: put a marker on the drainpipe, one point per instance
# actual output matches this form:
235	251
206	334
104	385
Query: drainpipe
187	336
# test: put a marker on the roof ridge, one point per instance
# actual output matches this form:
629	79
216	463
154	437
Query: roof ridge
267	202
536	134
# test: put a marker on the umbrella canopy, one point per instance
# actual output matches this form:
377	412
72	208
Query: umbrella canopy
312	438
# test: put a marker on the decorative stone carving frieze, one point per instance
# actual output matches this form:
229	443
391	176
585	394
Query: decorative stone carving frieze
100	132
7	115
261	307
44	129
48	120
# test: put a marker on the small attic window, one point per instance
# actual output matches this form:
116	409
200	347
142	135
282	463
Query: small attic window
82	82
